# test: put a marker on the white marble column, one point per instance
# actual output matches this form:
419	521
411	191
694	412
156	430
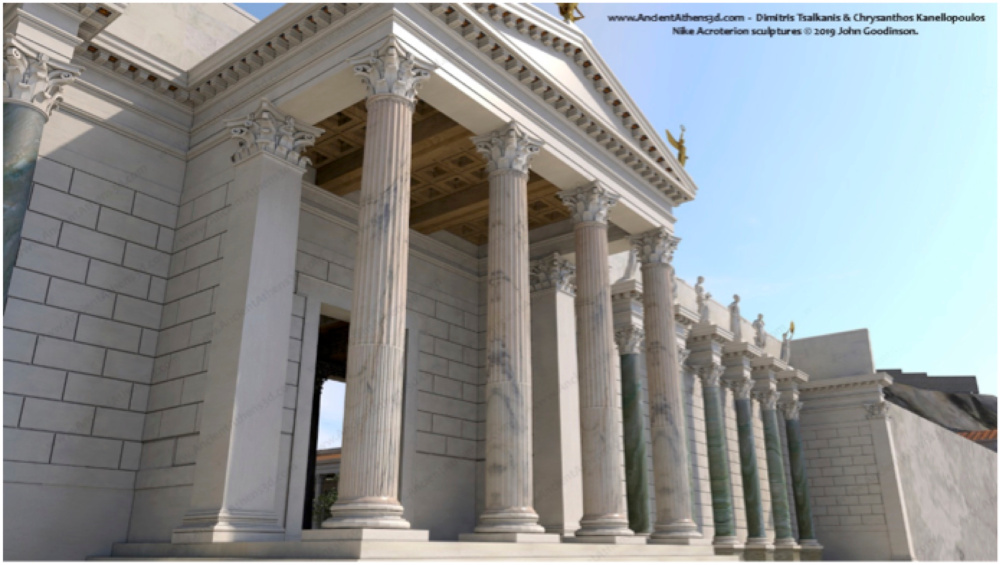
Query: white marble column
671	467
509	497
605	514
236	475
374	397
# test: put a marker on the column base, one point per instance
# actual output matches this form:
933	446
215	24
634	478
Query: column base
360	515
681	532
611	540
786	550
365	534
810	550
510	521
511	537
612	525
727	545
758	549
228	527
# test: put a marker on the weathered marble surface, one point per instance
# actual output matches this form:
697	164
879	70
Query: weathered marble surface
22	133
672	474
748	463
509	492
636	478
604	499
775	468
718	456
373	405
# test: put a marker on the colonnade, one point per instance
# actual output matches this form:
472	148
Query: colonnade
368	486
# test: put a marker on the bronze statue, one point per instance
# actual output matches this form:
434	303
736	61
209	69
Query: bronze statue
570	12
682	155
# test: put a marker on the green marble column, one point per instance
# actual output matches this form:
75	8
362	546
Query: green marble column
636	473
22	134
748	463
718	457
776	469
800	483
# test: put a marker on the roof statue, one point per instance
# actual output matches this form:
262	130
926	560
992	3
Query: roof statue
570	12
678	144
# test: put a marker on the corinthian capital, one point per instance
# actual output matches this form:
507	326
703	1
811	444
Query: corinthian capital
589	203
507	149
742	387
629	340
391	70
656	246
768	399
710	375
34	80
552	272
269	131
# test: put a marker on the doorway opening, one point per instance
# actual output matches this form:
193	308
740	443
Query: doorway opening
327	423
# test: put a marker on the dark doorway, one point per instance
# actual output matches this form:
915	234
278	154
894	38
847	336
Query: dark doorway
324	444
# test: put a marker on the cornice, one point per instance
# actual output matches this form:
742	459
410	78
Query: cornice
874	380
644	153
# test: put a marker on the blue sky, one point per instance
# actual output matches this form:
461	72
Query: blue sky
844	183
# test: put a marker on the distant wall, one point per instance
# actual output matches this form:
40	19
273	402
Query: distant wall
843	354
950	491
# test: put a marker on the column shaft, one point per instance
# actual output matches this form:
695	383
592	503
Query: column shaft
776	474
374	397
800	482
636	476
604	500
509	495
22	134
748	468
671	466
718	463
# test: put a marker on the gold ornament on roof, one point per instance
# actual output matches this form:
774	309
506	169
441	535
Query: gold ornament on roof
678	144
570	12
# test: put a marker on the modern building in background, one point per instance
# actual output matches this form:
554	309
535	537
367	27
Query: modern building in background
457	211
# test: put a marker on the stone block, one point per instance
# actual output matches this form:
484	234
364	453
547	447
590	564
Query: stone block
28	285
29	380
436	328
430	443
97	391
187	450
52	261
131	450
128	227
179	421
40	228
118	279
81	298
193	389
60	205
140	398
147	260
147	345
135	368
27	445
165	240
49	415
448	350
86	451
165	395
101	191
461	448
446	426
106	333
91	243
447	387
60	354
157	454
12	409
118	424
39	319
138	312
195	306
154	210
424	421
52	174
157	289
18	346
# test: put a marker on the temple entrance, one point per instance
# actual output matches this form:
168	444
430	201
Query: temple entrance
326	425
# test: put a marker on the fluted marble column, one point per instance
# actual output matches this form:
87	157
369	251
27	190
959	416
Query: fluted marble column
718	456
775	468
629	340
509	494
373	406
32	89
756	534
605	517
790	407
671	466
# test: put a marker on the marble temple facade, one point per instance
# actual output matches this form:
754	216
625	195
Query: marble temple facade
468	193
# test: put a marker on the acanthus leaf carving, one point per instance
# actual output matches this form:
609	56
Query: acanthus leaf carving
268	130
391	70
589	203
553	272
629	340
509	148
656	246
34	79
